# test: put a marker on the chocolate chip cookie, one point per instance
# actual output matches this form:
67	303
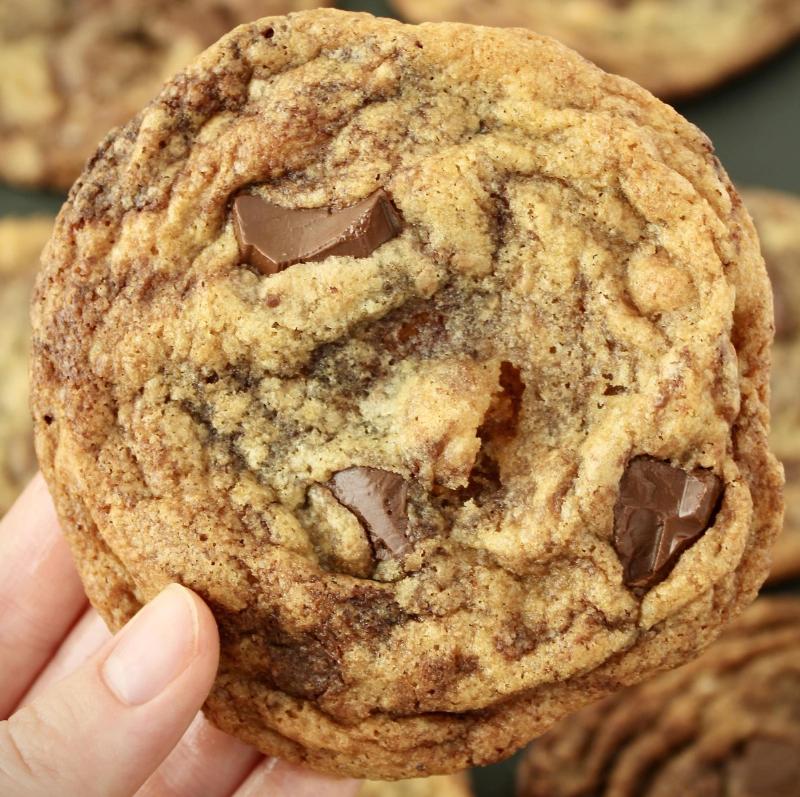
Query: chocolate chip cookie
726	725
777	219
21	242
442	786
435	359
70	70
672	47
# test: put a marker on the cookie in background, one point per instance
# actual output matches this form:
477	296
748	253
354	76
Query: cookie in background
442	786
777	219
71	71
21	243
674	48
726	725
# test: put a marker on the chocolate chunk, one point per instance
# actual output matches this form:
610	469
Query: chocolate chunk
273	238
661	511
378	498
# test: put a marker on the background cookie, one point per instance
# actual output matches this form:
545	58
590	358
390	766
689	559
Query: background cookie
21	243
672	47
777	218
443	786
405	460
70	70
726	724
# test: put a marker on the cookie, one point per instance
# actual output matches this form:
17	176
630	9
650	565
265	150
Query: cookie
21	242
726	725
777	219
435	359
674	48
442	786
70	70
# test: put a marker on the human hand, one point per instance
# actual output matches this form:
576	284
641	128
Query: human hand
89	715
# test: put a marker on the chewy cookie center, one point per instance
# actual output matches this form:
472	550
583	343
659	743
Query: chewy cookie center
395	423
422	407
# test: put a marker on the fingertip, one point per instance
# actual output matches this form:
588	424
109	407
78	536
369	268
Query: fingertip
34	508
123	711
205	632
39	492
172	637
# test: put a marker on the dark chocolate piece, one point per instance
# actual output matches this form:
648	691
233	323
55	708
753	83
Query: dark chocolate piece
661	511
378	498
273	238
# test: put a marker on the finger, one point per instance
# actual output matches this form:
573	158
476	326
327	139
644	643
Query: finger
206	761
86	638
275	778
104	730
40	593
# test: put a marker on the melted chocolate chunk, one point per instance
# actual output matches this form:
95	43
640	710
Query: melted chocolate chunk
378	498
273	238
661	511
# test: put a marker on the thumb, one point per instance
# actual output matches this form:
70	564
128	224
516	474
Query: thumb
105	729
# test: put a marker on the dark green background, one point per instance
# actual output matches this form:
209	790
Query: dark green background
754	123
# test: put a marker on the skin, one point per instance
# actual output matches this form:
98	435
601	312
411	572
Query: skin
85	713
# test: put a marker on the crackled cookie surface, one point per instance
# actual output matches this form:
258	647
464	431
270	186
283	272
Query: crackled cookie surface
777	219
435	359
21	243
672	47
726	725
440	786
70	70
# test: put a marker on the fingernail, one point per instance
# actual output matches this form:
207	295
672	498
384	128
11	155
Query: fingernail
154	648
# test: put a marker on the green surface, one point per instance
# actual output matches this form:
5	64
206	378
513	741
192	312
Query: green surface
754	123
13	202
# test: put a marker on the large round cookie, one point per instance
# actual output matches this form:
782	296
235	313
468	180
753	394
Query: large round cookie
672	47
726	725
70	70
21	243
441	786
777	219
435	359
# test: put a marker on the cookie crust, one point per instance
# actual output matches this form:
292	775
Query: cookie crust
506	354
667	46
